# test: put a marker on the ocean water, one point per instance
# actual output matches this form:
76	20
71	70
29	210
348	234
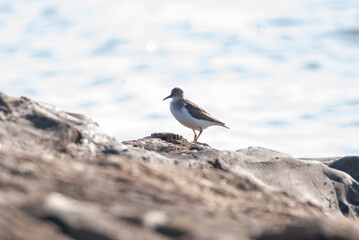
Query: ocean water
282	74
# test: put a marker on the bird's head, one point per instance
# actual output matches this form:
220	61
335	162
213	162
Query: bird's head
176	93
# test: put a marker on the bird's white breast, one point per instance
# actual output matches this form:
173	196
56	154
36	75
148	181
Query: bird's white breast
183	116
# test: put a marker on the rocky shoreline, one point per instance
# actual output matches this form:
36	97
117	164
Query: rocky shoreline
61	177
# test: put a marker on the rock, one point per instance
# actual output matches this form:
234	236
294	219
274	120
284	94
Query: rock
61	177
171	143
349	165
310	181
44	128
85	220
310	231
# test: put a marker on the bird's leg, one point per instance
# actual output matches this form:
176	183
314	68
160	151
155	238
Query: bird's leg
199	134
195	135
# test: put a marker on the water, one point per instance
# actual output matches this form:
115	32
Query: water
281	74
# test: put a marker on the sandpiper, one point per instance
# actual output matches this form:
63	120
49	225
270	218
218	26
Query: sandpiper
191	115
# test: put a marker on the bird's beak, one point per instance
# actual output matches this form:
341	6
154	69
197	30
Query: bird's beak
167	97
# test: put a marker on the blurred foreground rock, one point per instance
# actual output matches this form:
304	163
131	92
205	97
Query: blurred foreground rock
62	178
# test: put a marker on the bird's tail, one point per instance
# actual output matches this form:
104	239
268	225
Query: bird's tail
224	125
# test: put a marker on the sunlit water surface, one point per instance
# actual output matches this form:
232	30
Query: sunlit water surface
282	74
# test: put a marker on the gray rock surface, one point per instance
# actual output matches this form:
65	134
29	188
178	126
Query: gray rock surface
61	177
349	165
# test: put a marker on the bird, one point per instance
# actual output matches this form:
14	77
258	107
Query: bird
190	114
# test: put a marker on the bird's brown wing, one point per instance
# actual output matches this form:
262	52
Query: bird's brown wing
198	112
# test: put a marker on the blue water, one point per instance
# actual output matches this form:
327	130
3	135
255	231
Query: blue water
281	74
